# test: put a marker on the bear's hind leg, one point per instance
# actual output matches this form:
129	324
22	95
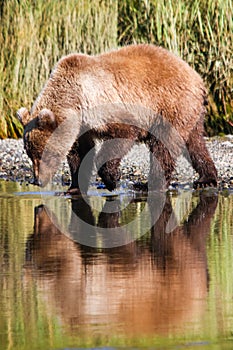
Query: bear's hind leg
201	160
162	165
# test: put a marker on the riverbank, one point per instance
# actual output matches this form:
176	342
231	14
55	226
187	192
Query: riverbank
16	166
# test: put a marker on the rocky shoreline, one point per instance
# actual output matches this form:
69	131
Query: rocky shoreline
16	166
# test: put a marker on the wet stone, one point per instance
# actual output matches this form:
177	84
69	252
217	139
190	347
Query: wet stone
16	166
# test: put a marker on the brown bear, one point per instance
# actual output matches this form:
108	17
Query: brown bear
136	93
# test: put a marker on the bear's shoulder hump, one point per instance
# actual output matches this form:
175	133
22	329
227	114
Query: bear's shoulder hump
75	60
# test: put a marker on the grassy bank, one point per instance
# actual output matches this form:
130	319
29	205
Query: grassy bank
33	35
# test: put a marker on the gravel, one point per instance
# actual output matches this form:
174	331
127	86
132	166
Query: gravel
16	166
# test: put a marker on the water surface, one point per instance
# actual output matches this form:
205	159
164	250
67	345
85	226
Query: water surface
166	282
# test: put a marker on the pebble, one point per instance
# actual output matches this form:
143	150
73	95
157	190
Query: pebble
16	166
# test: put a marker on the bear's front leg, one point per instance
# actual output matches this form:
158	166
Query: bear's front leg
79	150
110	173
73	160
109	158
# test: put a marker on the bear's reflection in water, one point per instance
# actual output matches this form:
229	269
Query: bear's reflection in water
154	285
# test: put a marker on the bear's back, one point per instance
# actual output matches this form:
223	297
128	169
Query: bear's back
142	74
137	62
153	62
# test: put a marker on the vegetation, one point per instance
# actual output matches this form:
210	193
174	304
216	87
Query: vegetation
35	34
200	31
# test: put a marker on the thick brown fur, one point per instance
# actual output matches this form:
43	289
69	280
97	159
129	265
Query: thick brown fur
137	93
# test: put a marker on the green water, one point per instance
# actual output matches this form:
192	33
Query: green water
165	283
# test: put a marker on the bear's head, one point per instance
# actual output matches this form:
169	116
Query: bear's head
37	132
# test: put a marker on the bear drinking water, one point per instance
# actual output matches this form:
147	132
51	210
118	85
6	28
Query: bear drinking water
138	93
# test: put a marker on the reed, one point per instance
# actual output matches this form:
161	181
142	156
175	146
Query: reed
34	35
201	32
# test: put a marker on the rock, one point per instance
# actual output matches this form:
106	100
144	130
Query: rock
16	166
227	144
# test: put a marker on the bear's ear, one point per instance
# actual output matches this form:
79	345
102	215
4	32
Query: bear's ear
23	115
46	120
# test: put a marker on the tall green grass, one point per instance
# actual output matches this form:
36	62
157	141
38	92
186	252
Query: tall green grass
35	34
201	32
